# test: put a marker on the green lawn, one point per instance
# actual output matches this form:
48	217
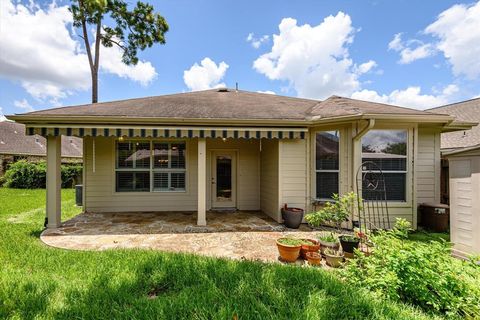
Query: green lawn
41	282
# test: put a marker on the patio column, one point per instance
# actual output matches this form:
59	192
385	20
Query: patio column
202	182
54	147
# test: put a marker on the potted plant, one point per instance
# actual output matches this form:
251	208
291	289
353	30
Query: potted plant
314	258
309	245
334	258
292	217
334	213
349	244
328	240
289	248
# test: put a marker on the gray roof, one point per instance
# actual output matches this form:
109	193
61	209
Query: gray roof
13	141
468	111
228	104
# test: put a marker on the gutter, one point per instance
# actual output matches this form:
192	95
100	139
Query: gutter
359	135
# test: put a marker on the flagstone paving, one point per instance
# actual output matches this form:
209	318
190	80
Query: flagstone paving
237	235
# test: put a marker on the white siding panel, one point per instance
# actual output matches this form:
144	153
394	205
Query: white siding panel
269	197
427	166
293	173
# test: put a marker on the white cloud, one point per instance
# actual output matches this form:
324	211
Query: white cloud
23	104
411	50
313	59
39	51
111	61
365	67
410	97
458	31
2	117
266	91
257	42
207	75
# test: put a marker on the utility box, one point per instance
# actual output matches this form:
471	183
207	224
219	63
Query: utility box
435	216
79	195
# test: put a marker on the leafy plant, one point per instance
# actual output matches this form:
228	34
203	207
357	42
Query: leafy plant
328	237
334	213
307	242
418	273
349	238
333	253
290	241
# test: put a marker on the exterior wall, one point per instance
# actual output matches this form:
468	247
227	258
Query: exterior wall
465	204
428	166
293	166
100	195
269	174
248	170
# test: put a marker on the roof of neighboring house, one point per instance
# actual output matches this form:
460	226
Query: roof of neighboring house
13	141
221	104
468	111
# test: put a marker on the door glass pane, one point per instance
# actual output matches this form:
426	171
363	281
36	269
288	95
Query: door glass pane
224	178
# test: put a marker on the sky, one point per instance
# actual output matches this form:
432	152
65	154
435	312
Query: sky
416	54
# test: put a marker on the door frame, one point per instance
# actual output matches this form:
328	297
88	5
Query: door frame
212	175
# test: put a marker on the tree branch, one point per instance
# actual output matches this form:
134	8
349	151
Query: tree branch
85	37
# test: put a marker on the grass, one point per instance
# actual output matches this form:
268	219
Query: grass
424	236
38	282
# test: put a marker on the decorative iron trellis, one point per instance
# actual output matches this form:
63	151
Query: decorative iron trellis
372	205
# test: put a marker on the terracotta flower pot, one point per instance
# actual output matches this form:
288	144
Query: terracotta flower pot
288	253
309	248
334	261
313	258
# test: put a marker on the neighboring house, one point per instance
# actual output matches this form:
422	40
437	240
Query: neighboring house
461	173
228	149
16	145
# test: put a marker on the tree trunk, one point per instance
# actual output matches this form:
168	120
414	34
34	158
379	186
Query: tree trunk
94	86
96	62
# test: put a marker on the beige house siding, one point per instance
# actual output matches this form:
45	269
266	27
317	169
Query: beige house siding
293	173
428	166
248	170
465	203
269	188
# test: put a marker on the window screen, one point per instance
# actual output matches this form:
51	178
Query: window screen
327	163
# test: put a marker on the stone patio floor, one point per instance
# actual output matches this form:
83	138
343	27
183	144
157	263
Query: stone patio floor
235	235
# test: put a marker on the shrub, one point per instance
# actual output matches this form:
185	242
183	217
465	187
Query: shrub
422	274
334	213
32	175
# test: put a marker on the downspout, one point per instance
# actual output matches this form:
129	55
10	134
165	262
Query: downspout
355	163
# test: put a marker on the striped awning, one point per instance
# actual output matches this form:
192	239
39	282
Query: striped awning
170	132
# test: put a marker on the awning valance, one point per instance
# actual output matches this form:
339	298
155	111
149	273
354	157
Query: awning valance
170	132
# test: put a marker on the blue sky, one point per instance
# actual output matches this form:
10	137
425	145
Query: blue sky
438	65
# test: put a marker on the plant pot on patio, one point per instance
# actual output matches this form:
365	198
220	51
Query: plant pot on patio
349	244
292	217
334	258
328	241
309	245
289	249
314	258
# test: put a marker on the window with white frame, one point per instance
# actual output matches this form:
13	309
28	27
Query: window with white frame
143	166
386	151
327	163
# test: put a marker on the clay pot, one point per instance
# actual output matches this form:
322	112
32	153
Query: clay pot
313	258
332	245
333	261
309	248
349	245
292	217
288	253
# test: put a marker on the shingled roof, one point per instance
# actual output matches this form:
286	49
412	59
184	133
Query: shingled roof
13	141
468	111
228	104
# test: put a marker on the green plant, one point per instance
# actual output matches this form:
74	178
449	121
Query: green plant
418	273
335	212
290	241
32	175
307	242
328	237
333	253
349	238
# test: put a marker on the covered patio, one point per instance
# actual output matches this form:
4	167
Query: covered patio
235	235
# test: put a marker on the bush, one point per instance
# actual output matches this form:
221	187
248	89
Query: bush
32	175
422	274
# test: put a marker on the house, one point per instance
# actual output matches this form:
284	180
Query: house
16	145
461	172
225	149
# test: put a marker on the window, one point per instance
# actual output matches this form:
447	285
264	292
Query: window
385	150
138	169
327	163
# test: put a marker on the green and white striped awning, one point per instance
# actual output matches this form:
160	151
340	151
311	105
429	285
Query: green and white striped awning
170	132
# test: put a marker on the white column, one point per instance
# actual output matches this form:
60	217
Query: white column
202	182
54	147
